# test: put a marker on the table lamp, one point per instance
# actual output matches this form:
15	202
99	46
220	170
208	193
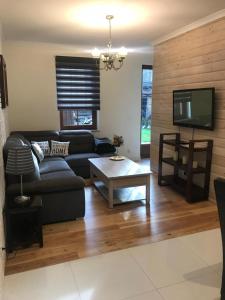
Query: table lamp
20	162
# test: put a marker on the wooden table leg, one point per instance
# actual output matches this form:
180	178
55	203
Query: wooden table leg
148	190
110	195
91	176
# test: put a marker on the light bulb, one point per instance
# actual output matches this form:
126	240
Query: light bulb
122	52
103	57
96	53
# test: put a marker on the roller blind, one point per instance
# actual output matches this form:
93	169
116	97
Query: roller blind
78	83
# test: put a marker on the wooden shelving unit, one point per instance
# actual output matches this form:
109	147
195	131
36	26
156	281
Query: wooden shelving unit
185	184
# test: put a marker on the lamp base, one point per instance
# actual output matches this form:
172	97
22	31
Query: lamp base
22	200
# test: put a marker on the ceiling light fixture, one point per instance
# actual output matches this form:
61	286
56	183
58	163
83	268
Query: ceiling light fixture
108	59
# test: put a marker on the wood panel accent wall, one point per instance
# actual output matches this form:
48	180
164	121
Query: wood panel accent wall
195	59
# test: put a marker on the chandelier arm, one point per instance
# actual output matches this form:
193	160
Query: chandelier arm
119	67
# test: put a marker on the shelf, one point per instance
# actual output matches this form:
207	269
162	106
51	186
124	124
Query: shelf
196	148
170	142
185	185
170	161
122	195
179	185
185	145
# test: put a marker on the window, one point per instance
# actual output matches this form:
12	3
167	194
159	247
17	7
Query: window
78	119
78	92
146	104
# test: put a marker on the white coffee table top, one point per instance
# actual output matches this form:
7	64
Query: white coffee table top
122	168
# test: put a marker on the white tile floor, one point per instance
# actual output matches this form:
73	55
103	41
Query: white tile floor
186	268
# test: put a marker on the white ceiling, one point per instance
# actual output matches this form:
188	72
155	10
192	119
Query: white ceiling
136	24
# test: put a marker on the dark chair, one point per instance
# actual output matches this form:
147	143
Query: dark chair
219	184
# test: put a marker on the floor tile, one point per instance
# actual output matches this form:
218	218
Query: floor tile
167	262
49	283
206	244
147	296
204	287
112	276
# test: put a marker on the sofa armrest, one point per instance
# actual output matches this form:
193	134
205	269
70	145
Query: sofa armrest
47	186
104	145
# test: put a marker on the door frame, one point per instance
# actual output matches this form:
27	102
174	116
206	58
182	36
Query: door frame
144	148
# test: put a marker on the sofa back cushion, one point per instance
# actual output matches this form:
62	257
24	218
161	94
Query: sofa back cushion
81	141
39	136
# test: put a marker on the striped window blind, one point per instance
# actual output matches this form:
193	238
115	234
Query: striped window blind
78	83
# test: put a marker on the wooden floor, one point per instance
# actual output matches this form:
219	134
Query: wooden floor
103	229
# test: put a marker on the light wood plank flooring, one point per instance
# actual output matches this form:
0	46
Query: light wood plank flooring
103	229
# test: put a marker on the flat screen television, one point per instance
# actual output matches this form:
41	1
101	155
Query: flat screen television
194	108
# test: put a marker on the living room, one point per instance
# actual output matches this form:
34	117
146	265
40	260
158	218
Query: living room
168	247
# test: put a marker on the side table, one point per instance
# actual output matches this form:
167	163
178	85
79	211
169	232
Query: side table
23	224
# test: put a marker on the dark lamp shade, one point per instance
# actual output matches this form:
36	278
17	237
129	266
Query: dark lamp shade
20	161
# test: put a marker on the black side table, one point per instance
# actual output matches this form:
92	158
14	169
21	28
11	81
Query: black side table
23	224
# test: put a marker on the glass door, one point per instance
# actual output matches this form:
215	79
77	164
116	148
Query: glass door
146	109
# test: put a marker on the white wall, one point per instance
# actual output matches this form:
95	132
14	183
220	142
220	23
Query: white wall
32	92
121	103
3	135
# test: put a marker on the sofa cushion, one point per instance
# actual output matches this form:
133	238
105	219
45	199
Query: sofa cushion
44	135
58	174
79	143
50	183
49	165
54	158
81	159
44	145
38	152
21	137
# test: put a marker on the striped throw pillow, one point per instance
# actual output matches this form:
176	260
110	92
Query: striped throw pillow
38	152
44	145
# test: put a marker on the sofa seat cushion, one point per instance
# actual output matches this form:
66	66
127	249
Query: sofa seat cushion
59	174
81	159
64	179
50	165
49	183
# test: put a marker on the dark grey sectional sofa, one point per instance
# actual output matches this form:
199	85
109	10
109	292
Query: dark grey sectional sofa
59	180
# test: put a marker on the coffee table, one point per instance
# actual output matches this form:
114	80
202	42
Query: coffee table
117	181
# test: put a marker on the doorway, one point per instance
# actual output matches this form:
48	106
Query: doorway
146	110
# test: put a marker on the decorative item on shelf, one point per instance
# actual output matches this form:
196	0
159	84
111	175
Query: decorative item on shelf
175	156
184	160
195	164
20	162
109	59
117	142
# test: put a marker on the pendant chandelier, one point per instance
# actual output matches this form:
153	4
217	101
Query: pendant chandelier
109	60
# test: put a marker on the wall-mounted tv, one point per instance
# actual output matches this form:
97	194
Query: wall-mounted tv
194	108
